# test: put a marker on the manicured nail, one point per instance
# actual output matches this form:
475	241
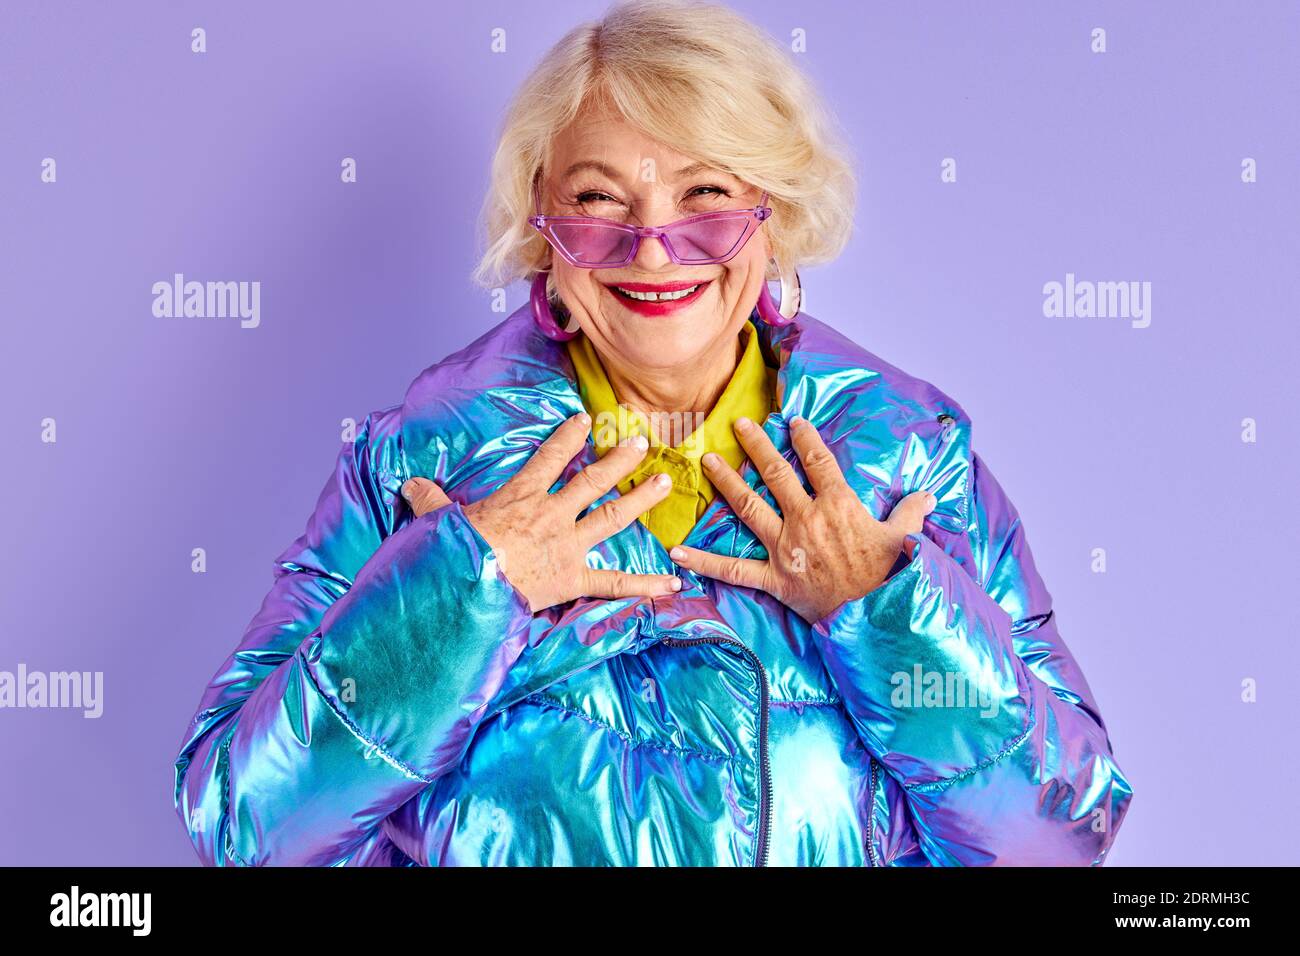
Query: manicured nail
663	480
675	584
677	554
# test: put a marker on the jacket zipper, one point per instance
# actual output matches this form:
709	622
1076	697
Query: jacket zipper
872	858
764	767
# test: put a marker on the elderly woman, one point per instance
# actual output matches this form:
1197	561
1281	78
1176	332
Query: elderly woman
657	571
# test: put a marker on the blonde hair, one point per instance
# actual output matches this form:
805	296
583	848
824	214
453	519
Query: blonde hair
700	79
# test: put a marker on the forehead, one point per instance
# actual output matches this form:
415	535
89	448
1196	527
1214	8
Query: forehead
599	141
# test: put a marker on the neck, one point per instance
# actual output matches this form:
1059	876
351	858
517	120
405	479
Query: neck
682	393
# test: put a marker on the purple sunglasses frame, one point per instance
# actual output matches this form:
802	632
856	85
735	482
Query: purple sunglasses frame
543	224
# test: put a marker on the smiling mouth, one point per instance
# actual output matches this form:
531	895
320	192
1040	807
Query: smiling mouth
657	299
660	296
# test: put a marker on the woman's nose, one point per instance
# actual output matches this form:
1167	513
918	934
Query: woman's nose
652	255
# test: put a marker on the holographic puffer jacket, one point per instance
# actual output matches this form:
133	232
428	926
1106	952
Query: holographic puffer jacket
394	702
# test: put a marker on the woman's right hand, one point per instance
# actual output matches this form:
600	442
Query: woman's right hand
540	544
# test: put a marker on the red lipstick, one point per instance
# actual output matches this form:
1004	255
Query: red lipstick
659	307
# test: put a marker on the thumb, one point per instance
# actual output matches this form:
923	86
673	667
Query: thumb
423	496
908	515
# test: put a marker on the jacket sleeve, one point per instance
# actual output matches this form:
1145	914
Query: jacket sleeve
961	687
360	680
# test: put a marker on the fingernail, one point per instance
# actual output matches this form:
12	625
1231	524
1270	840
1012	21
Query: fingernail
406	490
584	418
677	554
797	421
930	500
711	459
663	480
744	424
675	584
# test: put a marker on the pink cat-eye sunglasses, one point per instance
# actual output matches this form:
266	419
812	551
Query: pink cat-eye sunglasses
705	239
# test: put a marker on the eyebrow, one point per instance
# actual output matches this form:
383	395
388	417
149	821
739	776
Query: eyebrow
694	168
604	168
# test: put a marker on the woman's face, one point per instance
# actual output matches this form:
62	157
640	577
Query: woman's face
603	167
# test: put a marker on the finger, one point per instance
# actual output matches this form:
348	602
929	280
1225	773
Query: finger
615	515
424	496
599	477
748	504
603	583
776	471
744	572
545	466
819	462
908	516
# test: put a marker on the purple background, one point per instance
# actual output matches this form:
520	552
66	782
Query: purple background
183	433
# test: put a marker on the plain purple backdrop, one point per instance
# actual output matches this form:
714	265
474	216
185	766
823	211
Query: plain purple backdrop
175	434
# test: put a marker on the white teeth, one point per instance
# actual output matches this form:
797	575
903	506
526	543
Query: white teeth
657	296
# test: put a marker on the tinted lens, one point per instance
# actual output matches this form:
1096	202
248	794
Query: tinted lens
707	240
592	244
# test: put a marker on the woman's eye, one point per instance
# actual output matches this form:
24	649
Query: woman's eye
592	196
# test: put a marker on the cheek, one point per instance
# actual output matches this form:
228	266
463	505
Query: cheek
747	269
577	287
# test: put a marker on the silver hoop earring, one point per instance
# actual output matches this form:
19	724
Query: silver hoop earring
774	314
791	295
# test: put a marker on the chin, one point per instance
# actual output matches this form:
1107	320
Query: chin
654	344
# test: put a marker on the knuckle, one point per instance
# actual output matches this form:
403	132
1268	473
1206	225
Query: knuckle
551	443
590	479
425	500
615	511
818	457
750	507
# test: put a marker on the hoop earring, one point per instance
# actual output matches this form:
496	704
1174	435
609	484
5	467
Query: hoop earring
544	314
791	299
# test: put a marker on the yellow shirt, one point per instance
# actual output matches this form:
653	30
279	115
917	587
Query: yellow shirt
751	393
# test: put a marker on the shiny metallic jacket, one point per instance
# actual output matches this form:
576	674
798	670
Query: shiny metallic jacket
394	702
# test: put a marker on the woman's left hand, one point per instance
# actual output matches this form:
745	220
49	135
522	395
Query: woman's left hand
823	550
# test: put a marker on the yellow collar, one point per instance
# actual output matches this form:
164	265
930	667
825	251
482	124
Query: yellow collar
750	393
